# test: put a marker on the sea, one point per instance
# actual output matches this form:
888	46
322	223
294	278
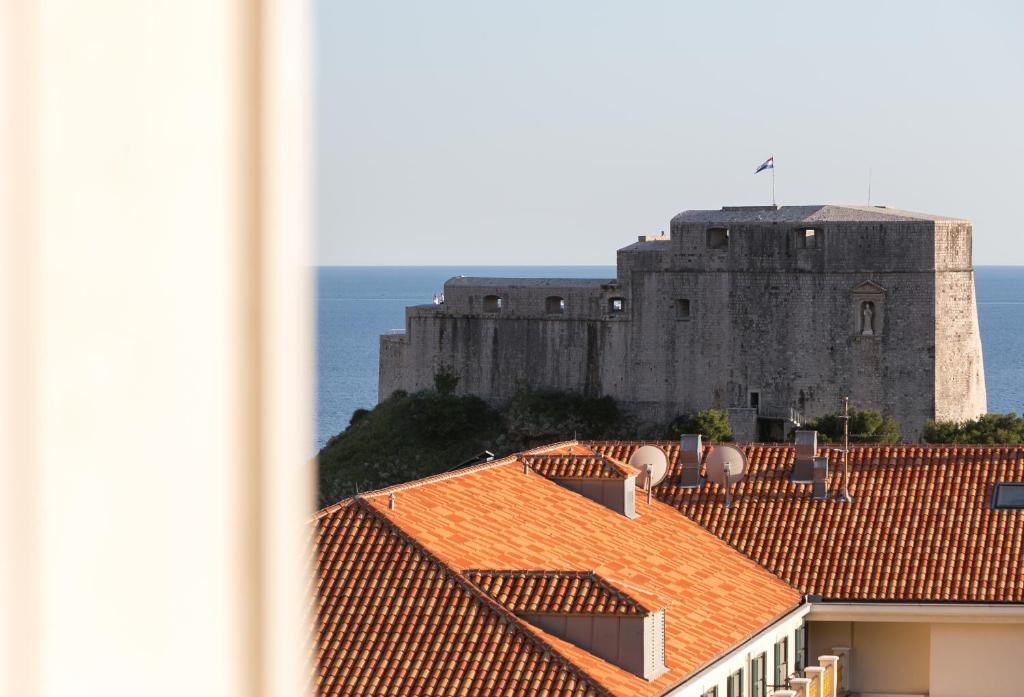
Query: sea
356	304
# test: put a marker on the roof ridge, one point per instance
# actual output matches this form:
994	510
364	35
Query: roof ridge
511	620
623	468
768	444
601	581
442	476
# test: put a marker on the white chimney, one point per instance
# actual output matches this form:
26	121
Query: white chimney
691	452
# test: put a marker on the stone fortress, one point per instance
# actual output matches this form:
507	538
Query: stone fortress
772	313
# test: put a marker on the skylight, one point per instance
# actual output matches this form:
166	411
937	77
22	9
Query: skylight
1008	496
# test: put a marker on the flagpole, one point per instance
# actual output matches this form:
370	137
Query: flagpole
773	180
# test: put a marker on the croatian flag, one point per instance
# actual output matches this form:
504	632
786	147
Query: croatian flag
768	164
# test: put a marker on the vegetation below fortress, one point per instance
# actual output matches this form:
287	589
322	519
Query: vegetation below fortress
409	436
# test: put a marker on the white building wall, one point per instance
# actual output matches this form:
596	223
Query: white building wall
716	674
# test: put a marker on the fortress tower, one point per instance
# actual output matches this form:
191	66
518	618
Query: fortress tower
772	313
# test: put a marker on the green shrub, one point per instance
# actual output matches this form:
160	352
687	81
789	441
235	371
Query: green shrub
536	417
407	436
986	430
866	426
712	424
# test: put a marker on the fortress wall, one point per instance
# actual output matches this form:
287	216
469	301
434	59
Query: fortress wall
770	317
791	337
494	353
959	367
768	314
392	371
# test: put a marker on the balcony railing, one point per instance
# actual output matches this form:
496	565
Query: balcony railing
822	680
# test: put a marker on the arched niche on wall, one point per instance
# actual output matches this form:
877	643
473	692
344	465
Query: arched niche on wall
867	308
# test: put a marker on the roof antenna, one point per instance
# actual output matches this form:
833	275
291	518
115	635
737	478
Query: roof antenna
650	482
869	186
845	496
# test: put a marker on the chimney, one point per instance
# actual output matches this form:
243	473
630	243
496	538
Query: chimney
820	482
690	454
806	450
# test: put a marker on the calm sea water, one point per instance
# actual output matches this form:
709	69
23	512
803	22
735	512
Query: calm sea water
355	305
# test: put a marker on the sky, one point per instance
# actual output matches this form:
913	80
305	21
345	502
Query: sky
557	131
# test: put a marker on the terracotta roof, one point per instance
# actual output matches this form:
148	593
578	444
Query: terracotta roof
392	619
579	466
397	611
920	528
557	592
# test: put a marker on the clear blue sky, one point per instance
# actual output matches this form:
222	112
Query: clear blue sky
554	132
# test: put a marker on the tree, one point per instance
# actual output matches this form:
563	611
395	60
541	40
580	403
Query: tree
537	417
407	436
986	430
712	424
866	426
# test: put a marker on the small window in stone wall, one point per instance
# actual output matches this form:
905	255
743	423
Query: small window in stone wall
718	237
616	305
683	308
492	303
808	238
554	305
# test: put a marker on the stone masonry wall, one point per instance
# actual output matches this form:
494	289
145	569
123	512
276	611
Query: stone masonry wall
703	327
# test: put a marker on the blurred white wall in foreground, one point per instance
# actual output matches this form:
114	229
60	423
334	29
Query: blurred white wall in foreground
155	366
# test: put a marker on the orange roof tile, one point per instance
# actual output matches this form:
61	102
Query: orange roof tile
579	466
390	618
560	592
398	610
497	517
920	527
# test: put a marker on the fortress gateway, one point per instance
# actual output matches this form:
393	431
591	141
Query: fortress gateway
772	313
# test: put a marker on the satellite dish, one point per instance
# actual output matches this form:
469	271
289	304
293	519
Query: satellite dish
653	456
726	464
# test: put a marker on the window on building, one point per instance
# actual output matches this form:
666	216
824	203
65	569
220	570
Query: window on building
781	661
734	687
616	305
710	692
758	687
718	237
1008	496
800	655
492	303
554	305
808	238
683	308
755	400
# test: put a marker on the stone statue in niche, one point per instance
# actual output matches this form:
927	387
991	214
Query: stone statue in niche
867	318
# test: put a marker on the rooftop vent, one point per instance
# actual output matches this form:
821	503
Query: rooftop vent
691	452
806	449
819	485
